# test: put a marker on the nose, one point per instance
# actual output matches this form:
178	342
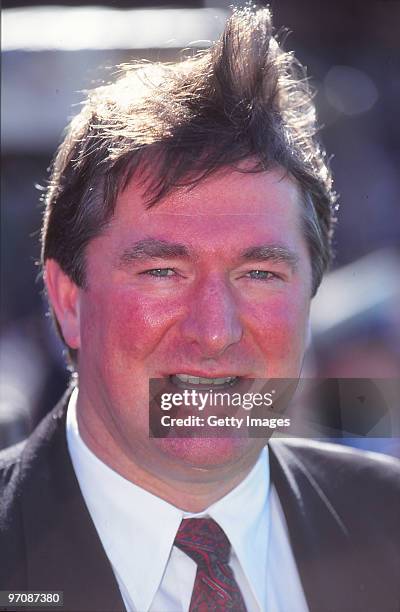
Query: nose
212	319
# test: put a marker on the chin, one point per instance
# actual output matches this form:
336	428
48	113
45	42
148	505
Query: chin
206	453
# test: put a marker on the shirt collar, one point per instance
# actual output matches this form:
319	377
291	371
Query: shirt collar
137	529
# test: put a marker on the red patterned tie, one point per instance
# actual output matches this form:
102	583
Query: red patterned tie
215	588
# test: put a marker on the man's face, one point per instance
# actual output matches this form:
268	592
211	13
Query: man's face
213	282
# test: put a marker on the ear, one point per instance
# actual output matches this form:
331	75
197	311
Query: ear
64	298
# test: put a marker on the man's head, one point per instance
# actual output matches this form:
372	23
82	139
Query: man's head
171	125
187	226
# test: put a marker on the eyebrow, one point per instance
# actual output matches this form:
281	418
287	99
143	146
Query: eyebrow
152	249
274	253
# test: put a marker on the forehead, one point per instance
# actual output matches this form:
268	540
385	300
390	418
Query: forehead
227	192
226	212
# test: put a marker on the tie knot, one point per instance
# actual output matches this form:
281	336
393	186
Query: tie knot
203	540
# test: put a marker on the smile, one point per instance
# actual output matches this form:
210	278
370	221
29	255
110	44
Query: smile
183	380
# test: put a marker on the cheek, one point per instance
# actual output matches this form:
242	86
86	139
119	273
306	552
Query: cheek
125	322
280	327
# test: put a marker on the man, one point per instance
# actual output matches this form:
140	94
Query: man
187	227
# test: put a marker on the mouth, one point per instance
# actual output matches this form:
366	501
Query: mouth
188	381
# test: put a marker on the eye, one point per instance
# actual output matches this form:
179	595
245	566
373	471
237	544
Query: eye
262	275
160	272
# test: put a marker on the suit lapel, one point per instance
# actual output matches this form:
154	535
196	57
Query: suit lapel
63	550
321	544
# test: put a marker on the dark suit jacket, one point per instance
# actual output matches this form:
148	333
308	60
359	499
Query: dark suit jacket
342	509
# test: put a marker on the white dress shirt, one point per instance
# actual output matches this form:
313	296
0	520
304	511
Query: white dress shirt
137	530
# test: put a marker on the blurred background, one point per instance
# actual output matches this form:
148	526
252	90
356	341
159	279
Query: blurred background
52	52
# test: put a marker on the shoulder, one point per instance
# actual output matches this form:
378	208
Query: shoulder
338	463
324	458
10	468
348	477
25	471
11	519
9	460
332	452
23	461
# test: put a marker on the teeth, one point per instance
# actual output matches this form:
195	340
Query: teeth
197	380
